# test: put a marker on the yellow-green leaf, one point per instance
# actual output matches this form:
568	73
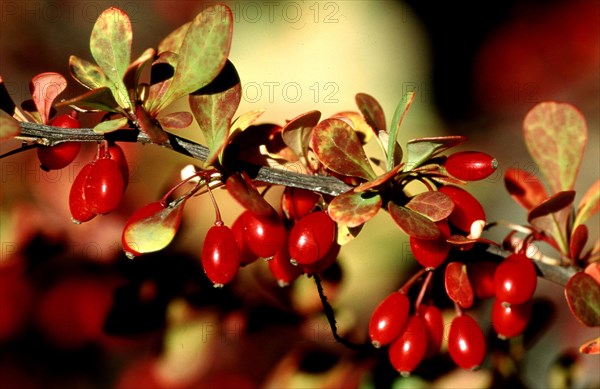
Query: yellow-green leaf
589	205
397	119
110	125
9	126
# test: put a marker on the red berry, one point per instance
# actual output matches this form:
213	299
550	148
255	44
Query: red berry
481	276
60	155
241	237
297	203
408	350
324	263
515	279
431	253
470	165
263	235
282	269
388	319
220	255
466	207
510	321
117	154
104	186
434	323
80	209
311	238
466	343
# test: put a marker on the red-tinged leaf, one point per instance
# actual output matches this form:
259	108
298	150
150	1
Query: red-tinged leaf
434	205
214	106
110	125
380	180
553	204
176	120
525	188
579	238
364	132
151	228
421	149
589	205
110	44
97	99
241	188
149	126
592	346
412	223
9	126
296	133
244	121
593	269
202	54
134	70
353	209
173	41
371	111
44	88
464	242
583	296
556	136
338	148
161	76
458	286
397	119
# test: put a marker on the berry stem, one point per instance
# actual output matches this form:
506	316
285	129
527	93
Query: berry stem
24	147
218	220
424	288
328	310
404	289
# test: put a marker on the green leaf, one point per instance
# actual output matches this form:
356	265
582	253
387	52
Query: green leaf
353	209
203	52
176	120
161	76
421	149
380	180
241	188
556	136
338	148
97	99
413	223
110	44
110	125
296	133
434	205
150	126
458	286
134	70
214	107
9	126
525	188
172	42
88	74
583	296
44	88
371	111
589	205
397	119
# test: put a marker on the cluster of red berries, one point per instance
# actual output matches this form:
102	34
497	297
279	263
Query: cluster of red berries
302	241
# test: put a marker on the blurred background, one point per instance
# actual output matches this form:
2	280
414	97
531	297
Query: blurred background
74	312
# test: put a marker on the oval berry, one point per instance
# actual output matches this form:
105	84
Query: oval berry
241	237
117	154
434	323
104	186
431	253
137	241
282	269
481	276
466	208
470	165
466	343
264	235
515	279
510	321
388	319
220	255
311	238
324	263
297	203
408	350
60	155
78	205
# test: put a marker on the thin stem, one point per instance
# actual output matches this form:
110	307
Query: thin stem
328	310
424	288
24	147
218	220
404	289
